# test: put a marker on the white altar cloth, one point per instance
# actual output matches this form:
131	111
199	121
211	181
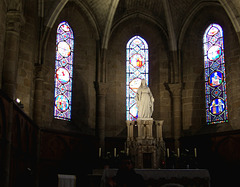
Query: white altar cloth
181	176
66	180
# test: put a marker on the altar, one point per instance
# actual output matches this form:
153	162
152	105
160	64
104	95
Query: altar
145	143
167	177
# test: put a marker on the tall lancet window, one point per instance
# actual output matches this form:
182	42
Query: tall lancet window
137	68
63	72
215	77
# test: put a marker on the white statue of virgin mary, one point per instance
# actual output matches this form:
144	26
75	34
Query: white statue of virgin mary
144	100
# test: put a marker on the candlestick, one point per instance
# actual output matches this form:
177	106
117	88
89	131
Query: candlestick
178	152
100	152
195	152
115	152
168	152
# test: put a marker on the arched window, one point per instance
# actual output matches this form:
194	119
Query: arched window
63	71
137	68
215	78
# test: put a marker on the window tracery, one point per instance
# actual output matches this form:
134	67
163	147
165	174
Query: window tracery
63	72
137	68
215	76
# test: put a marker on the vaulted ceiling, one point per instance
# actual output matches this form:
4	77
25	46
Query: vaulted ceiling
170	15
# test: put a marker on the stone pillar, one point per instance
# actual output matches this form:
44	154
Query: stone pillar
149	125
38	93
140	129
175	91
159	125
130	125
14	21
146	143
101	89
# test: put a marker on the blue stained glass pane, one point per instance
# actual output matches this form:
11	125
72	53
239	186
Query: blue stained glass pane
66	35
136	69
143	76
132	102
59	38
58	56
63	71
57	65
215	80
63	62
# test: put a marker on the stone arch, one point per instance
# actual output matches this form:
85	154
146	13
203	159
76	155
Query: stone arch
107	30
191	63
143	16
189	19
233	13
52	17
157	38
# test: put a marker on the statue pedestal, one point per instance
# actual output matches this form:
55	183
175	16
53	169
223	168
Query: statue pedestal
145	143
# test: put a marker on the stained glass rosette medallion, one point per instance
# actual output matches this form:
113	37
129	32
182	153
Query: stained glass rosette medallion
136	70
63	71
215	78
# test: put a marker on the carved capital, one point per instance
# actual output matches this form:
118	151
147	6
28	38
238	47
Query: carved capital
128	122
175	89
16	5
15	20
159	122
40	71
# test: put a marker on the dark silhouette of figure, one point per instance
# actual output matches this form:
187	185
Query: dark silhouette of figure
126	175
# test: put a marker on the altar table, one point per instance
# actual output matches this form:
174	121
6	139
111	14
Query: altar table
168	177
66	180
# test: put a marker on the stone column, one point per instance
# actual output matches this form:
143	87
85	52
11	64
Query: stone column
159	125
101	89
130	125
149	125
38	93
140	128
14	21
175	91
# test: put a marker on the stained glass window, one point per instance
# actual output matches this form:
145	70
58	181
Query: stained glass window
137	68
215	78
63	71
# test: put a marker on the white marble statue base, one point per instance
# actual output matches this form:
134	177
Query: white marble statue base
144	119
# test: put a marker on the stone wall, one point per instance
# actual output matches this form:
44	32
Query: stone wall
193	98
116	72
84	65
232	57
2	35
65	153
28	53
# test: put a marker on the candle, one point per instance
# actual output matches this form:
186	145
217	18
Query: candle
195	152
168	152
100	152
178	152
127	151
115	152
